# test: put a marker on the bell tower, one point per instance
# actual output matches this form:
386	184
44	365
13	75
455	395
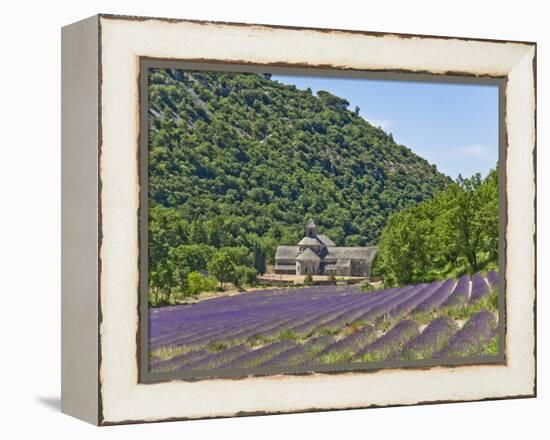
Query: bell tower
311	229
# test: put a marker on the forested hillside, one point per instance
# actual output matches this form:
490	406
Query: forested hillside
260	157
243	160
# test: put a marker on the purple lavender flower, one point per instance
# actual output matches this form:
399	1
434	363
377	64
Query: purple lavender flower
407	306
390	343
434	337
178	362
336	318
460	294
472	338
439	297
256	357
342	320
384	307
480	288
232	324
346	347
217	359
300	354
492	279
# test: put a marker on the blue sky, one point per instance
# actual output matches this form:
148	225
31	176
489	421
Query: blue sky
454	126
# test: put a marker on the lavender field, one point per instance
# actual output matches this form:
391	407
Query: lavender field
328	325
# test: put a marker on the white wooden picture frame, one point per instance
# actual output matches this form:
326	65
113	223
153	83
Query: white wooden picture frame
101	57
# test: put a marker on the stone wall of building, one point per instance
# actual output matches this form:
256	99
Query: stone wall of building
360	268
307	267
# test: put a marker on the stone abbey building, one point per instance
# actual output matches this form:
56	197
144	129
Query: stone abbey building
316	254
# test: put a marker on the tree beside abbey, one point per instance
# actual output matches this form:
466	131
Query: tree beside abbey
238	163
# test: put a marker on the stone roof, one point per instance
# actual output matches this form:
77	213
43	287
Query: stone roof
309	241
334	253
341	262
355	253
308	254
325	240
311	224
286	252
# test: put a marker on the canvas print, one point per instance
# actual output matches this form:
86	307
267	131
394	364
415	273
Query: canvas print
316	223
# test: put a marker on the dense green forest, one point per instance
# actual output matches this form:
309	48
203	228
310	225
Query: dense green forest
240	161
454	233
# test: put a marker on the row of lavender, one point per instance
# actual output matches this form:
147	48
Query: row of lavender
203	321
320	321
441	339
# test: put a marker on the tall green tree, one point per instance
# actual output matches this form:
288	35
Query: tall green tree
222	267
454	232
475	216
259	259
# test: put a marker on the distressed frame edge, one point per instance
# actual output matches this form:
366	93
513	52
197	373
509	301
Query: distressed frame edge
80	122
532	115
124	17
102	421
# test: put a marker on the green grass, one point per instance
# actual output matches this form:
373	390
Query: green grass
170	351
354	327
335	357
412	355
326	331
465	311
424	318
384	324
371	357
367	287
258	339
288	335
217	346
492	348
313	351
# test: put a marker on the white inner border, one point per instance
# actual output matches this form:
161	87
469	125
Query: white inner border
123	42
